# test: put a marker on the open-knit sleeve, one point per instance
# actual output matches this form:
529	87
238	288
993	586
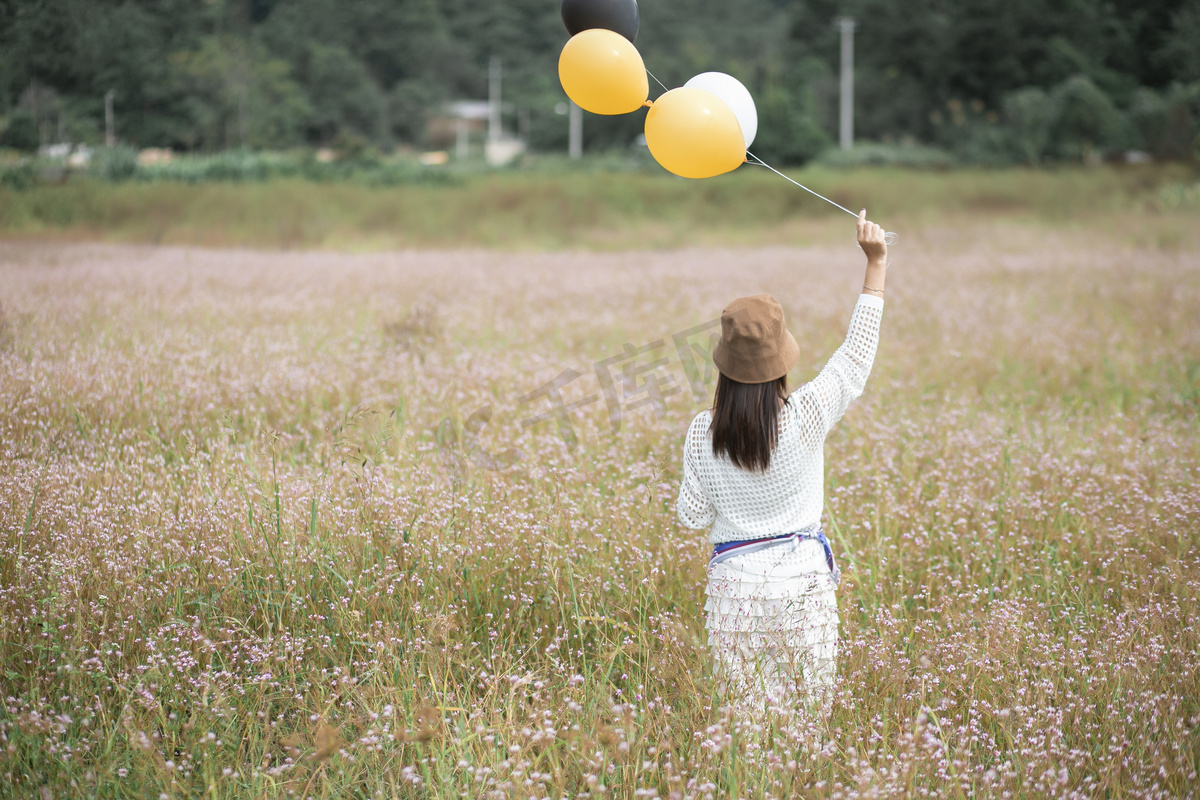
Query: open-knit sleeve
693	507
845	375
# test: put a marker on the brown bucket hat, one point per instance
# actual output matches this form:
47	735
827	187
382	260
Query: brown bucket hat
755	345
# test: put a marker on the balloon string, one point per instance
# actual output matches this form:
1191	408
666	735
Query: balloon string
759	162
656	80
888	236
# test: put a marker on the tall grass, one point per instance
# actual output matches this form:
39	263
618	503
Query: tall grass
586	209
250	545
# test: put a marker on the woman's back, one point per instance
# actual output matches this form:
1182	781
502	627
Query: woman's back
789	495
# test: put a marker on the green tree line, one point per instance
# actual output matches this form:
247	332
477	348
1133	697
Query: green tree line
987	80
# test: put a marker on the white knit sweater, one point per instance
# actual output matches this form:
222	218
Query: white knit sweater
790	495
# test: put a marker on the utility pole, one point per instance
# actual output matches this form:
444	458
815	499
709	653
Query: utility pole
575	132
846	128
494	100
110	137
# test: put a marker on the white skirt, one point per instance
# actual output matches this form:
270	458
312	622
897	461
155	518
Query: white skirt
772	625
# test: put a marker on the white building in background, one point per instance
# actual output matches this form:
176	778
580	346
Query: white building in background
467	116
476	115
75	155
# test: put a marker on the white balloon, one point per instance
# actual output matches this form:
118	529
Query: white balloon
735	95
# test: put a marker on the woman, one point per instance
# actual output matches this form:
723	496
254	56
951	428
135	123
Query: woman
753	469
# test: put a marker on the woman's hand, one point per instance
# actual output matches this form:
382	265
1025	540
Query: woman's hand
870	239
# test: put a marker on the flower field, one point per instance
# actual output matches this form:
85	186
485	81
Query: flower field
316	524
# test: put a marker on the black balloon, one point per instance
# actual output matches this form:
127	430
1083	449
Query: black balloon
613	15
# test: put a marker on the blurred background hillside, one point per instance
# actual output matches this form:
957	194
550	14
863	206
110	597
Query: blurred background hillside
968	82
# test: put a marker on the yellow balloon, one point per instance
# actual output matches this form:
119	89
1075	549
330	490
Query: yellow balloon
694	134
603	72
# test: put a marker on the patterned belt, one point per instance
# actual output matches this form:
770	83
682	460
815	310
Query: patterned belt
727	550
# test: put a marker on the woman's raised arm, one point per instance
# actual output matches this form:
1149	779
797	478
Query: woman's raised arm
870	239
845	375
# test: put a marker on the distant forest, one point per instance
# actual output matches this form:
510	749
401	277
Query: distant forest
1024	81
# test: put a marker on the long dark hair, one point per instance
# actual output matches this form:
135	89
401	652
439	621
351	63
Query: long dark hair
745	421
